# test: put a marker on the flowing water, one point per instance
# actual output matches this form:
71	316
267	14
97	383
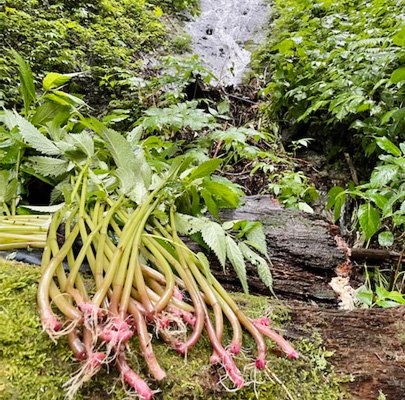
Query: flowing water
224	34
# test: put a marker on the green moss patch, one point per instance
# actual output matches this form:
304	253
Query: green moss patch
33	367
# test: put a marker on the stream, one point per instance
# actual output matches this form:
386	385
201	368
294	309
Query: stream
225	33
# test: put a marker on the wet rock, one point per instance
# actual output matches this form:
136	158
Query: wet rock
221	31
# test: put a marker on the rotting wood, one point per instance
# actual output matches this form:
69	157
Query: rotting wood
368	346
302	248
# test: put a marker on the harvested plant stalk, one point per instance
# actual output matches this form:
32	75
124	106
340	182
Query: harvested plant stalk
143	278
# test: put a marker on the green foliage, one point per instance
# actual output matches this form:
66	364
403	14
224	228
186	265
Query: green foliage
235	241
90	37
336	65
377	290
56	149
383	197
178	5
293	190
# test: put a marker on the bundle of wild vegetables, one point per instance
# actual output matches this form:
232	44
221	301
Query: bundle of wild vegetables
145	280
128	209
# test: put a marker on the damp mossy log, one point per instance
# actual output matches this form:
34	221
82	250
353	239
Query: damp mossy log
33	367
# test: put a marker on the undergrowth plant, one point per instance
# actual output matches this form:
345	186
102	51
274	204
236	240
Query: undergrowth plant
334	72
94	38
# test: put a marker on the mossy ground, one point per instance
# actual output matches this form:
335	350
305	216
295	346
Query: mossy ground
33	367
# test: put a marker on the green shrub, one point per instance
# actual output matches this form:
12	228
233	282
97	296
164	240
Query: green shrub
90	37
330	66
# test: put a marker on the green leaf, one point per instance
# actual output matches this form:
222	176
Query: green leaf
386	303
285	46
48	166
386	144
158	12
53	80
69	98
365	295
396	296
210	202
399	38
259	262
4	177
336	199
46	112
84	141
235	256
225	193
188	225
386	239
132	169
383	174
305	207
214	236
257	236
204	169
369	219
398	75
45	209
378	199
34	137
27	86
12	190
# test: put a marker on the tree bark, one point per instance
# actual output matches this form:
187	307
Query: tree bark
368	346
302	247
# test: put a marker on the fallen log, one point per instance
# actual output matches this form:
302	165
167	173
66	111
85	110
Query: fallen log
368	346
302	247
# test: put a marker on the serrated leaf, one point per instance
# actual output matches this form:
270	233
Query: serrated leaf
45	209
133	171
135	135
386	239
188	225
53	80
235	256
204	169
383	174
27	86
48	166
369	219
34	137
257	236
386	144
12	190
46	112
214	237
225	195
259	262
84	141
